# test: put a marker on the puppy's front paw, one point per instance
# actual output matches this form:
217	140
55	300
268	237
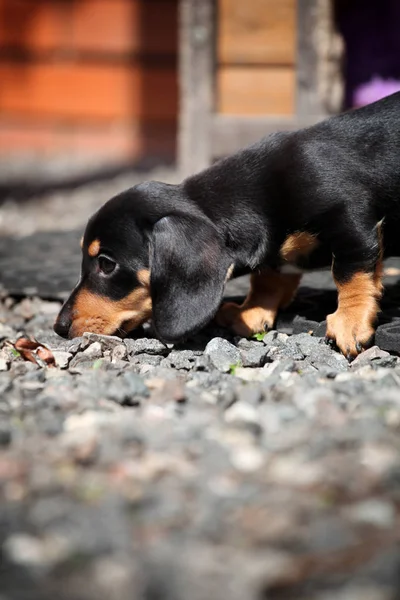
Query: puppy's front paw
245	321
351	336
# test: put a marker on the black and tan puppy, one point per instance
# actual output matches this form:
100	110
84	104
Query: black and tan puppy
328	195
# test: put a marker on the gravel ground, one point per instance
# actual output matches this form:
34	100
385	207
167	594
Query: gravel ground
262	469
248	469
64	209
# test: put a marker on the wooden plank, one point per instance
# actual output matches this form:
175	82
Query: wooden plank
88	92
230	134
31	25
256	90
196	82
257	32
92	26
141	138
41	138
307	98
119	26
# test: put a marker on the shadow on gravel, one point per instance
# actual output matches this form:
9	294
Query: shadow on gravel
25	188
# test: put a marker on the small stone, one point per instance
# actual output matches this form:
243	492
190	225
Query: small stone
107	342
146	359
93	351
252	373
62	358
202	363
4	364
24	549
145	346
307	343
247	459
223	354
368	355
127	389
119	353
374	512
244	415
6	332
80	363
74	345
289	349
255	355
181	359
270	337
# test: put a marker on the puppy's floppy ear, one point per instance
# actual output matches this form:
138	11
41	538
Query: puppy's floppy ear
189	266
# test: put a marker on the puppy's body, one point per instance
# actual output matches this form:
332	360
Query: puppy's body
322	196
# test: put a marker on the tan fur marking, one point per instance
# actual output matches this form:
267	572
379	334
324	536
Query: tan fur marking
297	245
144	277
351	326
269	291
81	243
94	248
98	314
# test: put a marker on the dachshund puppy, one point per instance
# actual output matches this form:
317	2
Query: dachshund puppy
324	196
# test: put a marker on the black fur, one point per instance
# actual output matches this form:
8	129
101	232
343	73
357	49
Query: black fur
337	179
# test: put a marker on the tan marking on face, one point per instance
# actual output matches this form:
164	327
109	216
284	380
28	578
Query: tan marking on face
81	243
298	245
94	248
269	291
144	277
98	314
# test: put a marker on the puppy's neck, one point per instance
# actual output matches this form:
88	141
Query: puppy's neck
238	195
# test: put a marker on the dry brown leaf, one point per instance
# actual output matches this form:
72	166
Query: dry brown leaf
31	350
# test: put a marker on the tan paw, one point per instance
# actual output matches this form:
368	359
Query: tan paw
349	335
245	321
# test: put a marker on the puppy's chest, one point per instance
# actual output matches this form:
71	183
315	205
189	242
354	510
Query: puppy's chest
302	251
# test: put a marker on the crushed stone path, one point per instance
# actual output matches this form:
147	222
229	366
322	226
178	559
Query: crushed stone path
249	469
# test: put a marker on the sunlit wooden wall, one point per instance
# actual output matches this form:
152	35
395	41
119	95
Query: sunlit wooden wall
256	55
90	77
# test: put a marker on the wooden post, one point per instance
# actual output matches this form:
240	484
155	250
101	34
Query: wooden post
307	102
196	81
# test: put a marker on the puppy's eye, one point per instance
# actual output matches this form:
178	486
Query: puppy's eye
106	265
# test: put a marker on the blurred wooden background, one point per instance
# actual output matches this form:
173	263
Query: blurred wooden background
118	80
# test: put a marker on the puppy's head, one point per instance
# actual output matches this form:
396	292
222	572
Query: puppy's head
147	253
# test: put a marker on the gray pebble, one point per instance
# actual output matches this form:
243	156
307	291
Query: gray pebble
94	350
107	342
222	354
62	358
145	346
119	352
127	389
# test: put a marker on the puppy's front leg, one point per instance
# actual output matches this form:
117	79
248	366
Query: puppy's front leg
269	292
359	283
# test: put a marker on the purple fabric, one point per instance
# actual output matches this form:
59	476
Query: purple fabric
371	31
374	90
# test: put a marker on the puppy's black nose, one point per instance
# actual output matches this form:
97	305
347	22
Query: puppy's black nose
63	322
